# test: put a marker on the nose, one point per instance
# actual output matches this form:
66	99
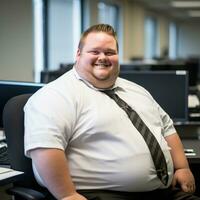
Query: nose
102	55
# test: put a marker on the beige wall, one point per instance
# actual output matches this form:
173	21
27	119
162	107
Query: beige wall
16	40
90	17
133	30
134	35
163	25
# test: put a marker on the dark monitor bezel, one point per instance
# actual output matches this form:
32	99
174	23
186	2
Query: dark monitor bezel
127	75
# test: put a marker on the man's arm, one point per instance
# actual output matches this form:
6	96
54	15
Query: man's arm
52	167
182	176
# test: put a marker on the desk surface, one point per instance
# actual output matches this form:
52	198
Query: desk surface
9	176
193	144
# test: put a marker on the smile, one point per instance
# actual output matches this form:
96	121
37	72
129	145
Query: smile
101	65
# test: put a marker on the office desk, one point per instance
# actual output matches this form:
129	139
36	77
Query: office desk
6	180
194	160
194	145
10	176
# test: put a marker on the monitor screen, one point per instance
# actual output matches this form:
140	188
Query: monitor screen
169	89
9	89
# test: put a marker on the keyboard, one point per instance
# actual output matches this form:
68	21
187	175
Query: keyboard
4	159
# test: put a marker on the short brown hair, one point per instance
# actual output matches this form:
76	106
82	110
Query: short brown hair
106	28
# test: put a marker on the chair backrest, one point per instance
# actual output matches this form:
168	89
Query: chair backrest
13	122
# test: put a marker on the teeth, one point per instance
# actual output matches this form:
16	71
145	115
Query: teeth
101	65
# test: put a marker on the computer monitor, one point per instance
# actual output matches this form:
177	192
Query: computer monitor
191	65
9	89
169	89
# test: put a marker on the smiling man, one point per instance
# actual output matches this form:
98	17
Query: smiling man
97	59
83	145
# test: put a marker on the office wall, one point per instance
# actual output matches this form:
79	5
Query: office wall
134	33
59	51
163	34
90	17
16	40
188	39
133	16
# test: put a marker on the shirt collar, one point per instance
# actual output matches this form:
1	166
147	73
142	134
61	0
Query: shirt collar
115	87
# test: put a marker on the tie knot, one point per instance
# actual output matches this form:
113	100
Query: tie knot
109	92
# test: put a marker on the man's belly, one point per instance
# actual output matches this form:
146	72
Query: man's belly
135	173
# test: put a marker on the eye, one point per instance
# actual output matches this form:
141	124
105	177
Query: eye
94	52
110	53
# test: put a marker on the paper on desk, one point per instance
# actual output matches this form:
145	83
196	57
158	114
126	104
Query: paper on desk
4	170
7	172
193	101
2	135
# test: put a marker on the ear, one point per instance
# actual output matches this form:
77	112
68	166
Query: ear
78	53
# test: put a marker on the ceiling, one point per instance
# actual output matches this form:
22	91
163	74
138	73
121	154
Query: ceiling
165	6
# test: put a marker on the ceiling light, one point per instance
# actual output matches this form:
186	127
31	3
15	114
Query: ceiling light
185	4
194	13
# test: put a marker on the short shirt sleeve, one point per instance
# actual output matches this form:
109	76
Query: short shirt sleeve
49	118
167	123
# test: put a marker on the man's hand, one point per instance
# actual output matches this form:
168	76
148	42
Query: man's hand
185	179
74	196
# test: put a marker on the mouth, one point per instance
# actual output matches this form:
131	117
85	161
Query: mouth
102	65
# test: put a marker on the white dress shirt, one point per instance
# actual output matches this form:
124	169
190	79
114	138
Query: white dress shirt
104	149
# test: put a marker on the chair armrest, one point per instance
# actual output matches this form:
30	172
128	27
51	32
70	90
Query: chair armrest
25	193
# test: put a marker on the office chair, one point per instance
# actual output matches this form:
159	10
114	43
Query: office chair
13	121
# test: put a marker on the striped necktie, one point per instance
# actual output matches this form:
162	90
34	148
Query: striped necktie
153	145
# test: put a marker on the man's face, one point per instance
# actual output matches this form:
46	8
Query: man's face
97	62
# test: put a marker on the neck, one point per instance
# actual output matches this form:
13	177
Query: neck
99	84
